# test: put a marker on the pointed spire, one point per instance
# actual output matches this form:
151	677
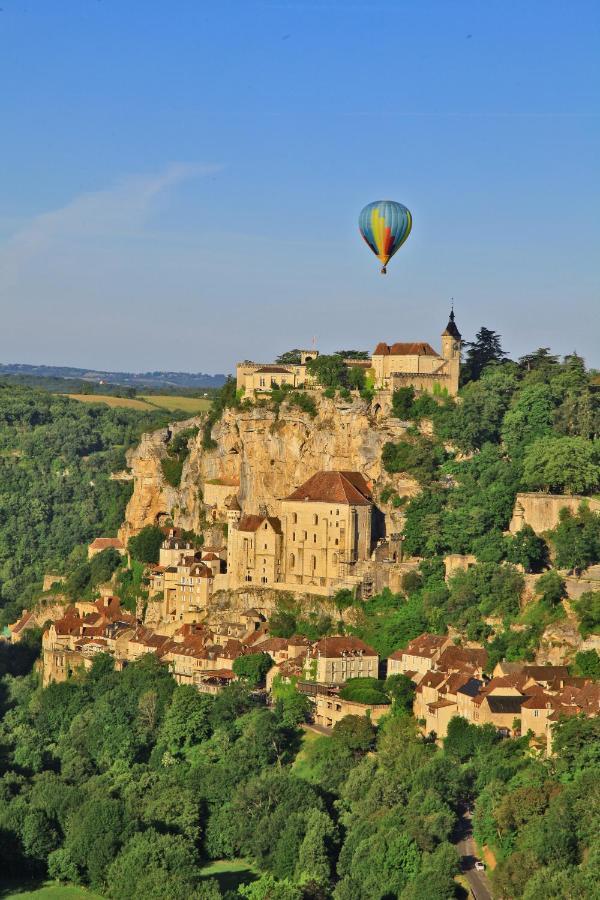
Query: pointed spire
451	328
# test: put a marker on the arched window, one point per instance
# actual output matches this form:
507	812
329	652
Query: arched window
292	561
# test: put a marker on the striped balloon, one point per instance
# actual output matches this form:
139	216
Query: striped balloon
385	225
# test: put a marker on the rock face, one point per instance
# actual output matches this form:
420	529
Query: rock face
270	451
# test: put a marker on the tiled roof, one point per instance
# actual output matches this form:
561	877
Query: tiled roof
101	543
253	523
414	348
425	645
334	487
458	657
341	646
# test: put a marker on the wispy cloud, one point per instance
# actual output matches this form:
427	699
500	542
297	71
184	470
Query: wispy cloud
115	211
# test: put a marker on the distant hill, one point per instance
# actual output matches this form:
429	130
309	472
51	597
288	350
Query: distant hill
130	379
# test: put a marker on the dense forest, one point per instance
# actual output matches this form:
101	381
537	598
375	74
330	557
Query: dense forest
131	784
56	456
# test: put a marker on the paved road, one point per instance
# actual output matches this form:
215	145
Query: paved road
463	841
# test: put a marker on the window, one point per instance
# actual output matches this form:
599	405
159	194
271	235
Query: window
536	713
266	547
262	382
305	535
334	559
313	563
294	518
315	519
337	512
266	526
293	535
314	538
292	561
337	540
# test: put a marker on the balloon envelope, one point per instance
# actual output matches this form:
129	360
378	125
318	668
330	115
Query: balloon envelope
385	225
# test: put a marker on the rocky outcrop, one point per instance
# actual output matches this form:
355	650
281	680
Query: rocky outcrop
270	451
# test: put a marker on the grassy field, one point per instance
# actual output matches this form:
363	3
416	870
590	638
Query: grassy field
230	873
172	403
301	767
48	891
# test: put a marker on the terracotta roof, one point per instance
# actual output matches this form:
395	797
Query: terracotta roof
268	369
334	487
546	673
253	523
425	645
432	679
540	701
458	657
440	704
101	543
209	556
275	644
22	622
342	646
414	348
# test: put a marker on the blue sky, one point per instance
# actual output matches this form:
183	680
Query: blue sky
181	181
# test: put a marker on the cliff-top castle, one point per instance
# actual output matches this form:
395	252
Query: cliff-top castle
390	367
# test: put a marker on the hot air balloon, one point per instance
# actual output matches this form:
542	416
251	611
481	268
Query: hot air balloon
385	225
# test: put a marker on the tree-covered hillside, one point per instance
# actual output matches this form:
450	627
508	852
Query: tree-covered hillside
55	493
132	784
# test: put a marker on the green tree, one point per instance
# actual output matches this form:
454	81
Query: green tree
527	549
156	866
316	851
330	371
561	465
587	608
485	350
529	418
402	691
145	546
587	664
267	887
402	402
253	668
187	720
576	539
551	588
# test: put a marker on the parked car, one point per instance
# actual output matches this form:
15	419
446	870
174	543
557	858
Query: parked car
479	866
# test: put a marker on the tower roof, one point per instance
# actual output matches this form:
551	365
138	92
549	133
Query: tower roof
451	328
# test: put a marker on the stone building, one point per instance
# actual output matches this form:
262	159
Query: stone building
333	660
105	543
254	547
326	529
418	364
323	531
255	379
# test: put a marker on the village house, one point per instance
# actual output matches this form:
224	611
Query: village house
331	709
254	379
333	660
419	657
105	543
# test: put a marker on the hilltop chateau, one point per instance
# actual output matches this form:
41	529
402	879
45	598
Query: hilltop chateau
390	367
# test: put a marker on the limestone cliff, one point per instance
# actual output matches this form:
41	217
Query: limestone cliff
269	451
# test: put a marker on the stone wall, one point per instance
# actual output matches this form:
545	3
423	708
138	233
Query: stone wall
541	511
